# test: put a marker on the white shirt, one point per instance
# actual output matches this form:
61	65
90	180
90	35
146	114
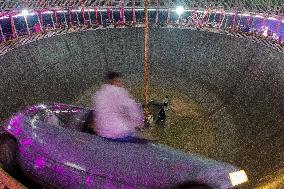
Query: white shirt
116	113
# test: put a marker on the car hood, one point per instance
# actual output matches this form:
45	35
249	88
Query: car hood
146	164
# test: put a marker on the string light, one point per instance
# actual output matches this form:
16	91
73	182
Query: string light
179	10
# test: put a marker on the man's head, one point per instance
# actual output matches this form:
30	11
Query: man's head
114	78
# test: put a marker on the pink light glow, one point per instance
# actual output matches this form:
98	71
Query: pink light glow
77	10
4	17
91	182
16	120
33	109
16	125
47	12
265	32
21	14
172	10
259	16
39	163
58	169
27	142
245	14
109	184
272	18
88	180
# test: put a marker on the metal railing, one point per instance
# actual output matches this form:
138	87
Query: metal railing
12	43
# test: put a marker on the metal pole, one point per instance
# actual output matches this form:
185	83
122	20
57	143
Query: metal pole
2	34
52	21
41	20
108	13
208	16
123	13
90	20
14	32
111	11
65	20
26	21
120	11
101	16
146	57
38	20
264	21
169	14
222	20
56	19
278	24
83	15
234	20
70	17
227	17
77	18
157	12
96	15
194	17
214	18
251	22
240	21
133	14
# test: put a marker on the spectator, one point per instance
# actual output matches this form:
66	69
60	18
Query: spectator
37	28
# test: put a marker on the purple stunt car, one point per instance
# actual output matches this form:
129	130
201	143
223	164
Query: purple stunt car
53	145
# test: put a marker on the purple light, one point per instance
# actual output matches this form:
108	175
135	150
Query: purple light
32	109
75	111
47	12
27	142
58	106
58	169
39	163
109	184
4	17
15	125
17	131
88	180
16	120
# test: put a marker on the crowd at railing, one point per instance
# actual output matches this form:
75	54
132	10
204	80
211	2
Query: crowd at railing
263	35
38	31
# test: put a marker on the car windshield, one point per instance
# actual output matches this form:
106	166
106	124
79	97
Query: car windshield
63	116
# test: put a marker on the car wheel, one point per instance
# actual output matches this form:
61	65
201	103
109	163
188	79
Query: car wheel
8	148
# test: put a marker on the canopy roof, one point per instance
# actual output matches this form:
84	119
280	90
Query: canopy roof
262	6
